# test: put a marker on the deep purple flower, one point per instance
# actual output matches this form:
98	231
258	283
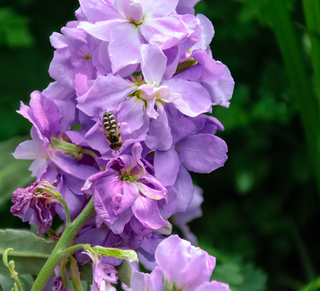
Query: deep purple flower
127	24
36	203
125	189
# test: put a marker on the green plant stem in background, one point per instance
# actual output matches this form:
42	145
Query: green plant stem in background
60	251
293	59
312	15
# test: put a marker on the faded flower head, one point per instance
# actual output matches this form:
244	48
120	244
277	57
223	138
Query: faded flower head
37	204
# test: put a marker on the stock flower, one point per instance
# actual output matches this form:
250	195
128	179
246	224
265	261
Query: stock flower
36	203
126	25
127	189
50	162
180	266
103	274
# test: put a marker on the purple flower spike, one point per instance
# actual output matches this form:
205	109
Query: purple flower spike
127	188
35	203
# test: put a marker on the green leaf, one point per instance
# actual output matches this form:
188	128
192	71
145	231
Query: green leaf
14	31
13	173
228	273
27	282
6	282
124	272
312	286
30	251
254	279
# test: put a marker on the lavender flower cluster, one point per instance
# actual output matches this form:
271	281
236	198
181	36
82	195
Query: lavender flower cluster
138	73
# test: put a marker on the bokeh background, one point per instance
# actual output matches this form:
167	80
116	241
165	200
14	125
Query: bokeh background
261	211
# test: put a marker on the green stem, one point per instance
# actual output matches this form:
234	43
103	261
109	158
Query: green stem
294	62
66	209
60	251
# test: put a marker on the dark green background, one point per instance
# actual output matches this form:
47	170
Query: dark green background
262	208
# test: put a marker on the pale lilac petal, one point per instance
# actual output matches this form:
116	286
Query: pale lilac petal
213	286
155	8
30	150
130	115
194	97
140	282
118	225
96	139
172	55
147	212
101	29
56	91
135	12
184	188
105	94
166	165
58	40
211	69
222	89
166	31
202	153
159	135
207	32
186	6
153	63
60	68
170	208
38	167
97	10
124	48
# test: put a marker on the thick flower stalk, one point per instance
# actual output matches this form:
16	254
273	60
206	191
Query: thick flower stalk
148	67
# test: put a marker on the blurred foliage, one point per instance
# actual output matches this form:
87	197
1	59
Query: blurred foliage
262	208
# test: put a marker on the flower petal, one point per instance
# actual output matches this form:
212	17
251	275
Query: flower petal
155	8
124	47
153	63
202	153
30	150
166	165
147	212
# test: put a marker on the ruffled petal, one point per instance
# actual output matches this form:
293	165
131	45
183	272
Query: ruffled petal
147	212
155	8
202	153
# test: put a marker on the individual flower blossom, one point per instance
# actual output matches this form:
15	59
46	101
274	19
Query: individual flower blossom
36	203
103	273
55	158
126	189
72	65
181	266
126	25
181	219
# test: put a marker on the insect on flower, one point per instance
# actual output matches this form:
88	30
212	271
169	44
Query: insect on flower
112	131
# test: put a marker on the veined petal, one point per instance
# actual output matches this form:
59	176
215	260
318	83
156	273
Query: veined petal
202	153
153	63
166	31
147	212
30	150
124	47
101	29
105	94
130	194
194	97
38	167
155	8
